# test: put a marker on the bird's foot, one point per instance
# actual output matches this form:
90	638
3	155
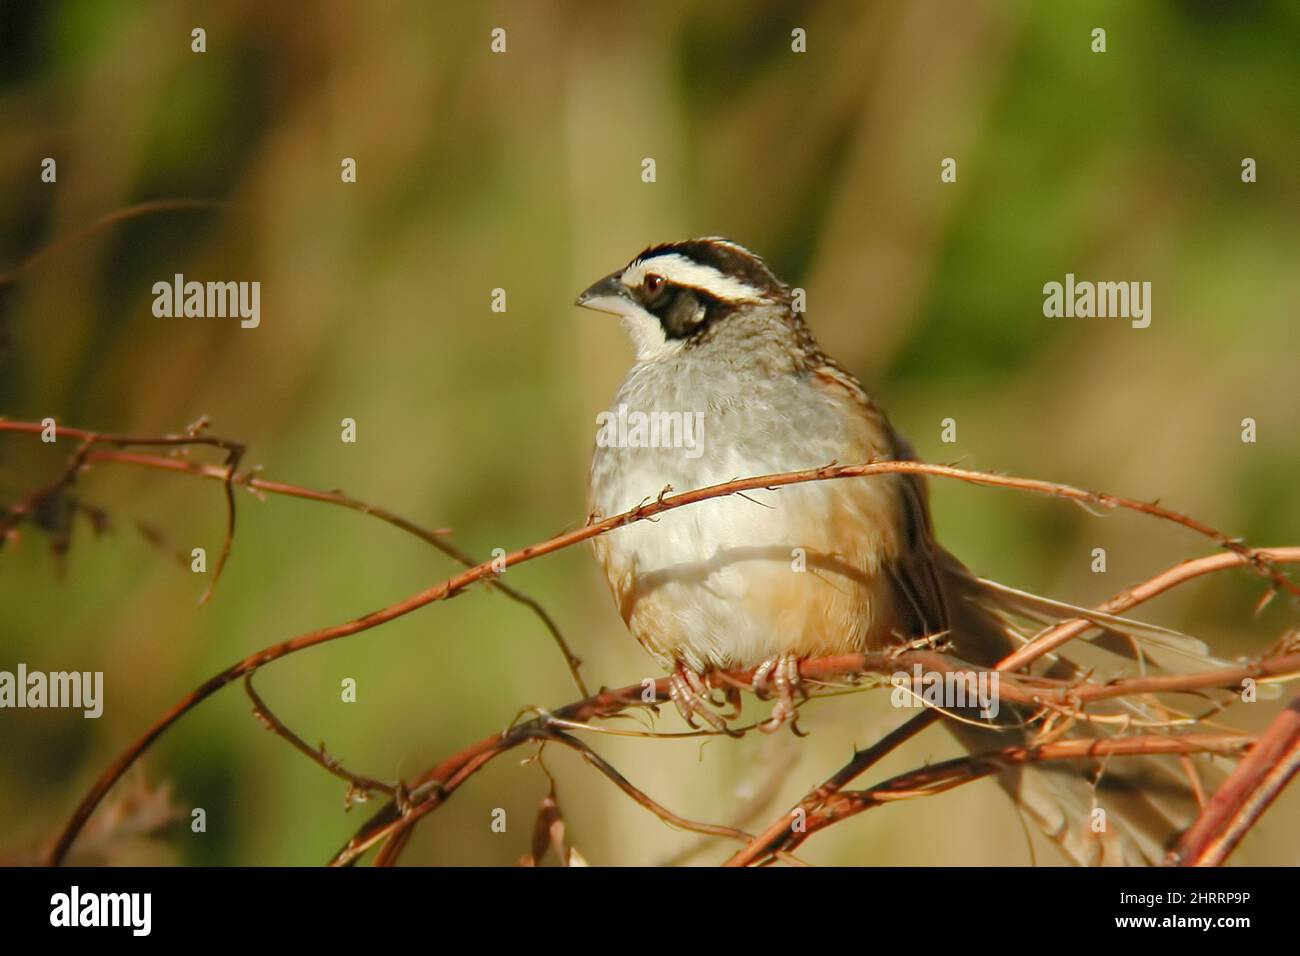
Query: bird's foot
778	677
694	698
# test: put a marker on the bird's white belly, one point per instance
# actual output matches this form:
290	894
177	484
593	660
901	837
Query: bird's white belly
734	580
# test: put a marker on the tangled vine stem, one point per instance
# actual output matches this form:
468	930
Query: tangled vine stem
89	440
1244	796
828	804
392	824
86	456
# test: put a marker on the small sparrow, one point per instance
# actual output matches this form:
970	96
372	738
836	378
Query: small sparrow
728	383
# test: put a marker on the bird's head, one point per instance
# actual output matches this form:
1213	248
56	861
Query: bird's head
672	295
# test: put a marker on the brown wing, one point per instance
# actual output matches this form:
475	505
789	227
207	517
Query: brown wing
915	572
921	606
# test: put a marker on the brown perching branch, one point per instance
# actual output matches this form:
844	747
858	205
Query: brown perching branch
407	804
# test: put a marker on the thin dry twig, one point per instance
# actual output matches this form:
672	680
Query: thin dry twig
940	777
89	439
1245	795
359	787
438	538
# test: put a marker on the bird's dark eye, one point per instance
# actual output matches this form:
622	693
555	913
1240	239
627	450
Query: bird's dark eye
653	283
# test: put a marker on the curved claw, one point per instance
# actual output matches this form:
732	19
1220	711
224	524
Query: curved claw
732	696
693	698
779	677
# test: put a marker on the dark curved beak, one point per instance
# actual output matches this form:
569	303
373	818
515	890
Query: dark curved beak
605	294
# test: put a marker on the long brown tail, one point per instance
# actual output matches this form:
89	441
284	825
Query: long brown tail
1144	802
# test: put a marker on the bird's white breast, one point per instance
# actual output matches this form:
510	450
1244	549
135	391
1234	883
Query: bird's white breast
731	581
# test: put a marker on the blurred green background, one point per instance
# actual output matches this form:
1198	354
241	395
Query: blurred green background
522	171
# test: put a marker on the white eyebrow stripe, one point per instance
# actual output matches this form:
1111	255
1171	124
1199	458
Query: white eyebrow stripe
680	270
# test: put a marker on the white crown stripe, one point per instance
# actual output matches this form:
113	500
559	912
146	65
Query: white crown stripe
680	270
